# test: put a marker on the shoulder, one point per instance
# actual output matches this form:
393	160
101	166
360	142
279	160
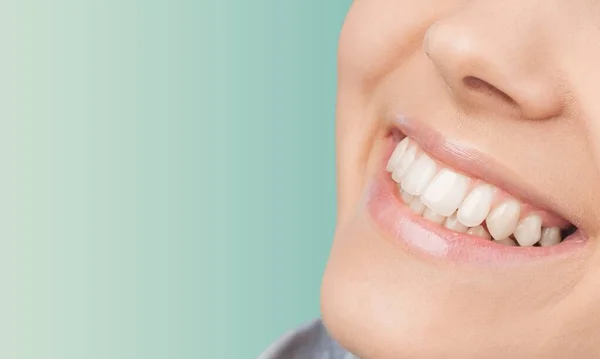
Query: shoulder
310	341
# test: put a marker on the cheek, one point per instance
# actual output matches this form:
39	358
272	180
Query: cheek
379	34
376	37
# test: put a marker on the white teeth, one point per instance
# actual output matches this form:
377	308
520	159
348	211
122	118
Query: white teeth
476	206
479	231
404	162
443	198
416	206
529	230
418	175
453	224
406	197
550	236
397	154
502	220
508	242
445	192
433	217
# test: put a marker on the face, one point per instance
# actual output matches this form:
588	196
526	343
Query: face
468	154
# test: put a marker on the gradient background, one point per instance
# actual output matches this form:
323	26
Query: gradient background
168	174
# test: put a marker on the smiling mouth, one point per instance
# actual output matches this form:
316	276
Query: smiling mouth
448	200
463	204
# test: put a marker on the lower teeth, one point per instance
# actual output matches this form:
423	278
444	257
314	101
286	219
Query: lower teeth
547	239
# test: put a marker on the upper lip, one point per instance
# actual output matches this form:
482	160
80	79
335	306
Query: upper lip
475	163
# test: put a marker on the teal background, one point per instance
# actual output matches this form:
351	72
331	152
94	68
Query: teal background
168	174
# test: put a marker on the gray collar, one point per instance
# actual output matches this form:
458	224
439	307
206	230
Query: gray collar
310	341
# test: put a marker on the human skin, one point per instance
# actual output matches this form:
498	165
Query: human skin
516	80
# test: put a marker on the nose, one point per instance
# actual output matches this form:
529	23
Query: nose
495	63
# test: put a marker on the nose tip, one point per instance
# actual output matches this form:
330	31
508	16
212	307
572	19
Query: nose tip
485	71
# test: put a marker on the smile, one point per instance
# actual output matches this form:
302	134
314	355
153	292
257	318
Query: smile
463	204
447	211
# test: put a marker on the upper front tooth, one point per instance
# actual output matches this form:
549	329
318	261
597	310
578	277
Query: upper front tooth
476	206
502	220
404	162
397	154
529	230
550	236
418	175
445	192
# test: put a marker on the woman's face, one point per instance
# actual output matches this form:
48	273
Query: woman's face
500	102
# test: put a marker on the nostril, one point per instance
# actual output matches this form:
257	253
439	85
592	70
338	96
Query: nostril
476	84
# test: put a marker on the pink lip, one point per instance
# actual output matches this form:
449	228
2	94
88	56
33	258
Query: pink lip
420	236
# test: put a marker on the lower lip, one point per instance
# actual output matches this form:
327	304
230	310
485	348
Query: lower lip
417	235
